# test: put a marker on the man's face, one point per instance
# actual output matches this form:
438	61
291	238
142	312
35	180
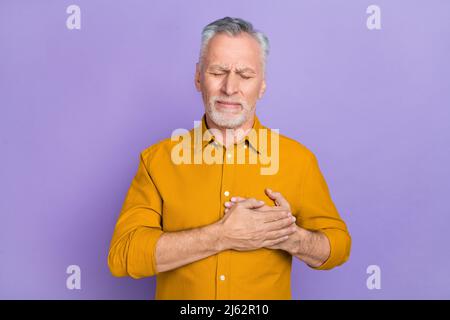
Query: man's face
231	79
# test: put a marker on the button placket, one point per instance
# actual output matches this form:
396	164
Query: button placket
223	258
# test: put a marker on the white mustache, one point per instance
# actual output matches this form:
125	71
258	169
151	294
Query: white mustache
226	100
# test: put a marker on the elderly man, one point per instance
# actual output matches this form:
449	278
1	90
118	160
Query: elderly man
223	229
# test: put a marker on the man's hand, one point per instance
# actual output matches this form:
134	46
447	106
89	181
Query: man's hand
280	204
312	247
244	227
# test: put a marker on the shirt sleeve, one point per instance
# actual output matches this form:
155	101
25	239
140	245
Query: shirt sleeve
138	228
318	213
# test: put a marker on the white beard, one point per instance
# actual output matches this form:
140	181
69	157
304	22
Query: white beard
223	119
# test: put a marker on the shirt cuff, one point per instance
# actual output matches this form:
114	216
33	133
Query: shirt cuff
142	256
340	243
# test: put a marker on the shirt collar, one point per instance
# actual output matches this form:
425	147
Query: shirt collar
207	137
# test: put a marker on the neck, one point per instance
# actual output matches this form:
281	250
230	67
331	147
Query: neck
230	136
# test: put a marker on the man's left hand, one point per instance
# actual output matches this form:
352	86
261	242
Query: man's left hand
293	241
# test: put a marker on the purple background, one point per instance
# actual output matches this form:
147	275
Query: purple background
77	107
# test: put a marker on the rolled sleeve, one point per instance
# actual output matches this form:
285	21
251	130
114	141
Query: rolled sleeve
340	244
318	213
138	228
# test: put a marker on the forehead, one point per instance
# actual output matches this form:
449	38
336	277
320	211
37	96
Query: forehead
239	50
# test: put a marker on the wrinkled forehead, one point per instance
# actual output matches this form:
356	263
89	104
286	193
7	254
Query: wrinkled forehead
240	51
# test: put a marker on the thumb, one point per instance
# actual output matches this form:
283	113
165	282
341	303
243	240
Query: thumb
277	198
251	203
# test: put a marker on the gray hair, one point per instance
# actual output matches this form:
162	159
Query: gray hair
233	27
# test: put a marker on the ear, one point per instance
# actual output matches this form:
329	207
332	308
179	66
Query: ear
263	89
197	76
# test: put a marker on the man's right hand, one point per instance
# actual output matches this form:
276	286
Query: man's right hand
242	228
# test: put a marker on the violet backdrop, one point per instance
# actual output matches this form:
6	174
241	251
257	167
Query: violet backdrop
77	107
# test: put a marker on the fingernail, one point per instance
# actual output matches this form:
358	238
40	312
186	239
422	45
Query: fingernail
293	219
227	204
261	202
233	199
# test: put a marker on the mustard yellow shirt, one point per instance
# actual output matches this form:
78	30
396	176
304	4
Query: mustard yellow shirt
165	197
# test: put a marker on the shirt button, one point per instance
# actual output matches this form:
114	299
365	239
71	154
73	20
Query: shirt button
222	277
245	146
226	193
228	155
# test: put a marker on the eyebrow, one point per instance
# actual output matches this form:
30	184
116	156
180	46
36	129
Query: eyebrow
245	69
225	68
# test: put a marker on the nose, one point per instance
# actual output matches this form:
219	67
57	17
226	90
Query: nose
230	85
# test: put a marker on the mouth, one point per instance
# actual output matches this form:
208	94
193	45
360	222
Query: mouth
229	106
